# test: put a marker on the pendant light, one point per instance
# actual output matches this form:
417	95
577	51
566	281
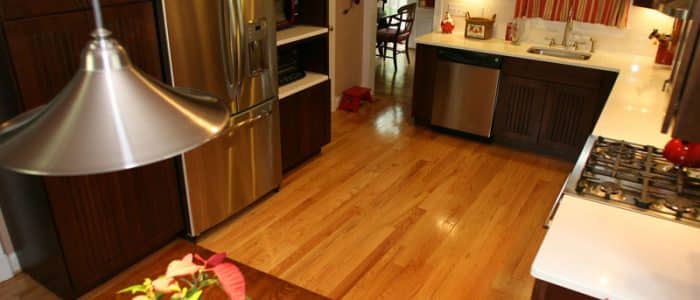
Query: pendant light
110	117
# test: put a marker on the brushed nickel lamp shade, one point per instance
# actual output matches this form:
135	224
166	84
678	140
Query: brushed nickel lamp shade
110	117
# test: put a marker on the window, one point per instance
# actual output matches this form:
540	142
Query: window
607	12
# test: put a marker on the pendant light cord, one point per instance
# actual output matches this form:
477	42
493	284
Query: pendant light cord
98	14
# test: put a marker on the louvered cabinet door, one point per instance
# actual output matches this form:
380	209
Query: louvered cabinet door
45	51
519	110
568	119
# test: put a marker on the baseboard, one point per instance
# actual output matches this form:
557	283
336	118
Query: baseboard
335	103
6	268
14	263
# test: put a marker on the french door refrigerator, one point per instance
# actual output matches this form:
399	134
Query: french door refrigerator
228	48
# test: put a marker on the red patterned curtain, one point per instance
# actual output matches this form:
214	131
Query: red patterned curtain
607	12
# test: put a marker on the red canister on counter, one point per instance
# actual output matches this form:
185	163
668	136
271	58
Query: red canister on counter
664	54
665	51
509	31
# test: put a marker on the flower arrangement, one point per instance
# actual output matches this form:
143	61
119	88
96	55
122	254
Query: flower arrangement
186	279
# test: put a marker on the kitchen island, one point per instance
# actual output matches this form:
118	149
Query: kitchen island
595	249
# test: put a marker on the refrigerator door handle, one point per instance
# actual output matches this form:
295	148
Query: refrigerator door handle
264	114
232	46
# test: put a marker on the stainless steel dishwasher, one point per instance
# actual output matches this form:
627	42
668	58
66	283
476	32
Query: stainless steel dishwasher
466	88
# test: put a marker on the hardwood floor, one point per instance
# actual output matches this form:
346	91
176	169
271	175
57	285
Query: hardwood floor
391	210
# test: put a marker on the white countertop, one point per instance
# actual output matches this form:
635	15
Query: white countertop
608	252
636	106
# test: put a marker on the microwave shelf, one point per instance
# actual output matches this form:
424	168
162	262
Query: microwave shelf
298	33
311	79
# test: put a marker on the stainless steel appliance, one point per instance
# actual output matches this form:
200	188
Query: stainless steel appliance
637	178
228	48
466	88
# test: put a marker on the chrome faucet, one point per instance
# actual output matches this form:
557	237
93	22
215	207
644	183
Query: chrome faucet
567	30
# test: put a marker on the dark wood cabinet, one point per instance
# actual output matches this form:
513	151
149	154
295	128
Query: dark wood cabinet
519	110
72	233
547	291
15	9
544	107
46	51
424	83
305	124
305	116
547	107
570	113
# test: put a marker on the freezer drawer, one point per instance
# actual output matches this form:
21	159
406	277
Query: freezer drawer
234	170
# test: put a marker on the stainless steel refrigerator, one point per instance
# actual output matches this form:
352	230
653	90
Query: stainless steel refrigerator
228	48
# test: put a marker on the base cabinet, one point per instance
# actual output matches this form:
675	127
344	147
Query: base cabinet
546	291
519	110
73	233
549	108
544	107
424	83
305	124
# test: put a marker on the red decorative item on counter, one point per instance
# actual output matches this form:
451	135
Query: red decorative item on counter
509	31
665	50
448	24
664	54
682	153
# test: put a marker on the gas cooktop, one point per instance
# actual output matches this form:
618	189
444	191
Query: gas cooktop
638	178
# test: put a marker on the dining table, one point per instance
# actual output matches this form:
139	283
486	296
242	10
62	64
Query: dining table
384	14
258	284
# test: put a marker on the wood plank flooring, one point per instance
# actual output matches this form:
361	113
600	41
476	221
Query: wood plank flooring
390	210
394	211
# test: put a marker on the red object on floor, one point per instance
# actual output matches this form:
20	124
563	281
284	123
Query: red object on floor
353	97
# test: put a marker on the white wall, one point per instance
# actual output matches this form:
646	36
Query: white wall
369	43
631	40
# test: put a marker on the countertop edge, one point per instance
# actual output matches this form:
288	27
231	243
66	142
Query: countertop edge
524	55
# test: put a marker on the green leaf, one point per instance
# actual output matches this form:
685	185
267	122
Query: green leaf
137	288
194	296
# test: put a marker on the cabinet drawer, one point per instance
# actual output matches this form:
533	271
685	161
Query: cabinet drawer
552	72
17	9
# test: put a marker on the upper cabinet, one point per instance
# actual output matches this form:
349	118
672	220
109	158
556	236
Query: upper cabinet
17	9
46	51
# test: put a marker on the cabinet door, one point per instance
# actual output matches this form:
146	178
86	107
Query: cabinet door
46	51
108	222
105	222
424	83
14	9
305	124
519	110
569	118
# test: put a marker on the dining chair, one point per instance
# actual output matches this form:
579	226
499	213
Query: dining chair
398	31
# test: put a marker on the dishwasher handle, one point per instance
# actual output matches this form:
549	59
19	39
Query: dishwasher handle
470	58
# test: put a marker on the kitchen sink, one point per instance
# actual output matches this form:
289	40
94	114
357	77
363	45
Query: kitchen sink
560	53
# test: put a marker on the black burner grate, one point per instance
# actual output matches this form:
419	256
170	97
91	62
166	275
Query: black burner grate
640	177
